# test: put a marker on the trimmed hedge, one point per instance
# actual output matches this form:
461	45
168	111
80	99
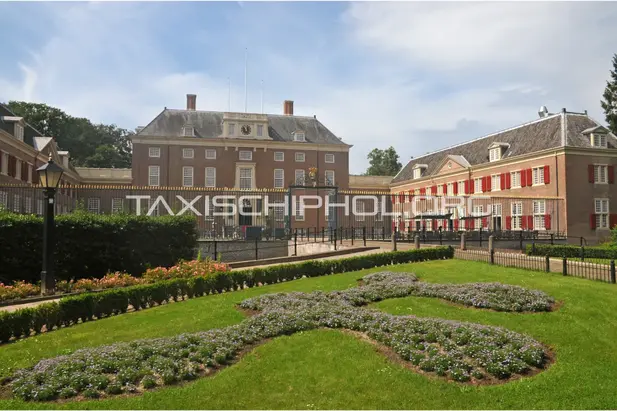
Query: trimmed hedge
571	251
91	245
85	307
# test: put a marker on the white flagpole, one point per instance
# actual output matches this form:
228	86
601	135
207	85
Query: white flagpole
228	94
262	96
245	77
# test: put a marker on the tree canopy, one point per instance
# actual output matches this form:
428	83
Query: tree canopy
89	145
609	101
383	162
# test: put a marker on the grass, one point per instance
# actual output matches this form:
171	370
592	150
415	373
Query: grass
331	369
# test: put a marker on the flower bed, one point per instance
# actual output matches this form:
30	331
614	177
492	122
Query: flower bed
459	351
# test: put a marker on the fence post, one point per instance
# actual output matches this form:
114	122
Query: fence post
416	241
256	250
582	253
393	241
613	271
565	266
342	234
364	235
353	234
581	241
296	243
533	246
547	260
480	236
440	239
552	238
521	241
492	256
334	236
463	242
214	256
491	244
323	234
315	234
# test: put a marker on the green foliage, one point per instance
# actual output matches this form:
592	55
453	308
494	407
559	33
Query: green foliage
70	310
90	245
571	251
609	101
383	162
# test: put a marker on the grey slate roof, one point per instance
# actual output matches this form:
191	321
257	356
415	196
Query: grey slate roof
527	138
209	124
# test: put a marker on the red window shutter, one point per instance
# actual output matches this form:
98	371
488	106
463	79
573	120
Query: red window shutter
613	220
401	225
472	187
502	181
508	222
547	175
530	222
466	186
445	189
524	222
434	225
445	224
434	190
547	221
423	191
466	224
523	178
592	221
611	174
401	197
393	198
590	173
508	180
483	184
489	183
472	224
485	222
529	177
455	188
456	225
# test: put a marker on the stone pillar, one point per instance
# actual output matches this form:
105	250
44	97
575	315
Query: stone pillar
463	241
394	241
416	241
491	246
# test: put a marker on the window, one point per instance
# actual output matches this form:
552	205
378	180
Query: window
30	172
440	189
478	209
245	155
299	212
39	207
496	208
16	203
19	132
329	158
517	215
279	178
450	189
154	152
360	211
189	131
279	156
461	187
495	154
5	164
299	177
4	200
187	176
246	178
300	157
477	183
417	173
600	174
231	128
154	173
601	212
94	205
598	140
279	213
539	210
260	130
515	179
18	169
538	175
379	216
299	136
188	153
428	224
416	191
210	154
210	177
116	205
28	205
495	182
329	177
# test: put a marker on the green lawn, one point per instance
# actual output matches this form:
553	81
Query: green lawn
331	369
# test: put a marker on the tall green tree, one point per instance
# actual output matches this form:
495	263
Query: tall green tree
90	145
383	162
609	102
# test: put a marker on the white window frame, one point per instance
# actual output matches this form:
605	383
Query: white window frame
300	136
599	140
5	163
154	172
4	199
16	203
450	189
245	155
539	211
188	153
329	156
117	205
188	131
601	208
279	156
478	221
210	154
154	152
299	213
300	157
243	178
495	154
210	181
538	176
461	187
30	172
19	132
279	181
379	215
39	206
439	189
330	182
297	173
231	129
477	184
600	173
496	182
187	176
360	209
516	215
94	205
417	173
515	179
260	130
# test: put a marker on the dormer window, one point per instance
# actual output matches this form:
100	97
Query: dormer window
598	140
495	154
299	136
19	132
418	169
189	131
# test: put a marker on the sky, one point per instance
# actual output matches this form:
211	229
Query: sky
418	76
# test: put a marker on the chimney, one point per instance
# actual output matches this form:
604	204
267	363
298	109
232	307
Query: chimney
288	108
191	100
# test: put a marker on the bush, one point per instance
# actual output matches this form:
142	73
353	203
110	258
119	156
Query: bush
571	251
91	245
84	307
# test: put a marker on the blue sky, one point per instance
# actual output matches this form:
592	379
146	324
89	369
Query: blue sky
417	76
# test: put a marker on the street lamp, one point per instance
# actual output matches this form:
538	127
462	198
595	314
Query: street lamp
49	178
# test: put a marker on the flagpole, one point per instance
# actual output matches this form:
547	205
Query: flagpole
245	78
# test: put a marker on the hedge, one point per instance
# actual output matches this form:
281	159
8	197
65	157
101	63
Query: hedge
91	245
85	307
571	251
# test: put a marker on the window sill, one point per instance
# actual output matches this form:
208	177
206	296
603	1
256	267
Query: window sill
538	185
515	188
600	183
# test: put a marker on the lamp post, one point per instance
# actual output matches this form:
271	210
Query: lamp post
49	178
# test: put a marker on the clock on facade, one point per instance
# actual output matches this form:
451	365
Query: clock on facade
245	129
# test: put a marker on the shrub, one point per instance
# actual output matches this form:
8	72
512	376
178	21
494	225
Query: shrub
92	245
571	251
